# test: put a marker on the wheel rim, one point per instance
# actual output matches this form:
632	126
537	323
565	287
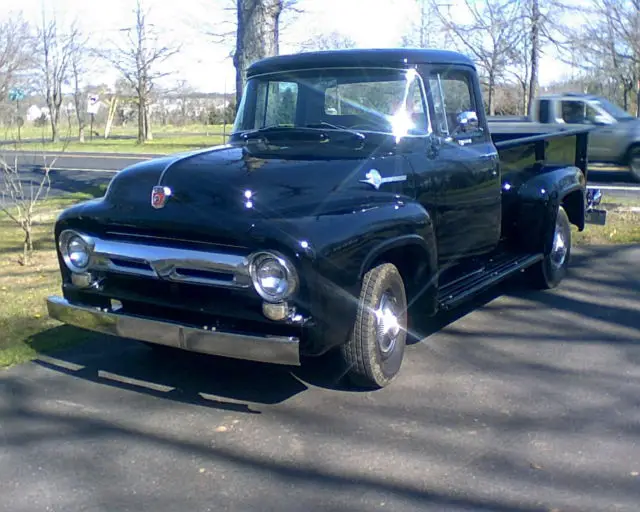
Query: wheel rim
388	323
559	249
635	164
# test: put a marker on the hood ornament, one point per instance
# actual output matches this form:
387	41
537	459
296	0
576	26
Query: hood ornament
159	196
376	180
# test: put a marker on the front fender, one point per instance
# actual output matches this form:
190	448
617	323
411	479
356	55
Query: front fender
539	199
344	248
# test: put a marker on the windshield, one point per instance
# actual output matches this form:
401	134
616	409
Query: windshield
613	110
364	100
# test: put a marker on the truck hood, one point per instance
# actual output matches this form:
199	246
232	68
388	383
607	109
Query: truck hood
228	191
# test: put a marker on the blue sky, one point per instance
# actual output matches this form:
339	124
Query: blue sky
205	64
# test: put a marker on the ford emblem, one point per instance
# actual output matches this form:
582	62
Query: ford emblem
159	196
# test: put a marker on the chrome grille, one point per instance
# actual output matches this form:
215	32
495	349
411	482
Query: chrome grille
212	268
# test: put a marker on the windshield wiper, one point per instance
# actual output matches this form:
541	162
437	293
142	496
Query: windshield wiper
324	124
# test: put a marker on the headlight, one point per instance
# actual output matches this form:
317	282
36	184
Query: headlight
273	276
76	250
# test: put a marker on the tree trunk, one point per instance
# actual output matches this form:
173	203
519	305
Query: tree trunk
27	247
141	114
256	37
147	125
492	85
535	53
55	137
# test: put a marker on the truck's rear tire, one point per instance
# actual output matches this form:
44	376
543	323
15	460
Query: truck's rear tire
373	355
634	163
549	272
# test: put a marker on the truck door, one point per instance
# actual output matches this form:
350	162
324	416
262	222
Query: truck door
464	169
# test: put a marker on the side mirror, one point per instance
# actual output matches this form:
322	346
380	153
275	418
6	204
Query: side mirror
467	122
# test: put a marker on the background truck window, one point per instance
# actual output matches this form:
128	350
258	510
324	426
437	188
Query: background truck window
577	112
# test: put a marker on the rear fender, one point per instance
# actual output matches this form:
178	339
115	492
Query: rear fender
540	198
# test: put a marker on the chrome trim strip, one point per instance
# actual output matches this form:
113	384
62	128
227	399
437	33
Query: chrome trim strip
253	347
166	262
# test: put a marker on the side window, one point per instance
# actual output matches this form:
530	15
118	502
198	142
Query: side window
543	111
276	104
451	94
573	112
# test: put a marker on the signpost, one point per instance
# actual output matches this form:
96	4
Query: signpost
17	95
93	106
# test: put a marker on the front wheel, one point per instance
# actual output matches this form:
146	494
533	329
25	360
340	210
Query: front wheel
552	269
373	355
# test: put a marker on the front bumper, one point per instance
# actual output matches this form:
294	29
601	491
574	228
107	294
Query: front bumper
254	347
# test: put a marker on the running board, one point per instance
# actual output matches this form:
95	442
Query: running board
452	294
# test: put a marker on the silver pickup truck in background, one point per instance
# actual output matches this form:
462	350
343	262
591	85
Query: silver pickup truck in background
614	138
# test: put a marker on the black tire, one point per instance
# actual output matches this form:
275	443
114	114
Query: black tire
634	163
372	358
549	272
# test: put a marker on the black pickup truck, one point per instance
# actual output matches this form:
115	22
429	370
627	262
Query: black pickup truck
359	187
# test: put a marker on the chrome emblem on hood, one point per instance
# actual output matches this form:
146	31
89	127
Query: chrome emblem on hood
159	196
376	180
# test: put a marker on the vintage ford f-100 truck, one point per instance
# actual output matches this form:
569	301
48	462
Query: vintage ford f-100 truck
358	187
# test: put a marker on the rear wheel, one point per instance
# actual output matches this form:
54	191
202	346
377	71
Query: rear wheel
634	163
374	352
552	269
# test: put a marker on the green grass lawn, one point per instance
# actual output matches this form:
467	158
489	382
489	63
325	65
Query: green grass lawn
29	131
25	328
158	146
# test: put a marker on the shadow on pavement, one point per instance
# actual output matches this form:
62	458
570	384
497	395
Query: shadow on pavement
529	404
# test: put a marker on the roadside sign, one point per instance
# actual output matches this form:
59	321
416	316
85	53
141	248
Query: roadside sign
93	104
16	94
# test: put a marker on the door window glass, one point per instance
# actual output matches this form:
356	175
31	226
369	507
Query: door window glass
451	94
577	112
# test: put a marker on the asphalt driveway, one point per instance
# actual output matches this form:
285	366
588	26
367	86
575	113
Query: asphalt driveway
528	402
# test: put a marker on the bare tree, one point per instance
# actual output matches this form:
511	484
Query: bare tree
79	55
427	31
16	47
138	60
607	48
19	197
56	48
329	41
489	38
257	34
534	48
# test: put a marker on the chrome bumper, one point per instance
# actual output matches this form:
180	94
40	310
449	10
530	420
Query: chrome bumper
268	349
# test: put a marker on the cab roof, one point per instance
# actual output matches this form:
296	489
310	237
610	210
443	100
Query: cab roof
384	57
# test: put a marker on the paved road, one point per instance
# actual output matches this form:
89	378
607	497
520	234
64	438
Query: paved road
530	402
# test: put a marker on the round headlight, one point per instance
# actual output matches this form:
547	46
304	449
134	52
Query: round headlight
274	278
76	250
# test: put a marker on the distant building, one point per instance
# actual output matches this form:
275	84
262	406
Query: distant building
34	112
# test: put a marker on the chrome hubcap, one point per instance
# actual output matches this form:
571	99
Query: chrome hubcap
559	249
387	323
